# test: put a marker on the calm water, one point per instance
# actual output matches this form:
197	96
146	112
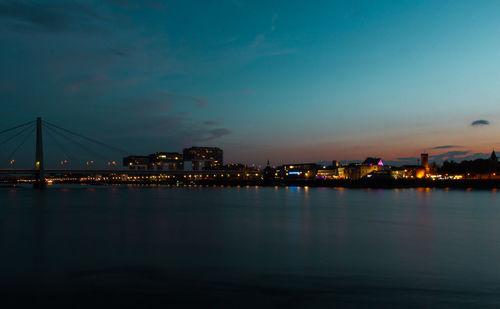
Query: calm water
249	247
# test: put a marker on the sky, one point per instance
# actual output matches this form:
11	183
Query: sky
285	81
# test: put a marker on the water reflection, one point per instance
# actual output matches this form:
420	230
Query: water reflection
313	241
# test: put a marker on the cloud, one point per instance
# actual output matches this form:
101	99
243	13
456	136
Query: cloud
80	83
145	107
159	104
480	122
56	16
261	46
450	155
447	147
219	132
258	40
201	102
456	156
133	5
97	81
161	121
182	98
119	52
273	22
403	161
211	123
199	134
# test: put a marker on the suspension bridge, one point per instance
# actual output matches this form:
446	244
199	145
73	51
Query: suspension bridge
94	162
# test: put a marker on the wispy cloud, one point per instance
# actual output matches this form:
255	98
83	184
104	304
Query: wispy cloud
447	147
450	155
132	5
51	16
98	80
211	123
183	98
120	52
219	132
480	122
273	22
166	99
201	102
456	156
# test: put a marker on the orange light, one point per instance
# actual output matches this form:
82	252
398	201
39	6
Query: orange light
420	174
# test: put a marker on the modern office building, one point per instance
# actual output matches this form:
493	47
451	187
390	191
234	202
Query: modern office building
202	158
171	161
137	162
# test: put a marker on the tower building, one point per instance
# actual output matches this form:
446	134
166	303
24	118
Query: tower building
424	159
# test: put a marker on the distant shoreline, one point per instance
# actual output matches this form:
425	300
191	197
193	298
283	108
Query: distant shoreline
341	183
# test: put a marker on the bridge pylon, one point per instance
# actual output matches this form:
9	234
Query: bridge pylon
40	174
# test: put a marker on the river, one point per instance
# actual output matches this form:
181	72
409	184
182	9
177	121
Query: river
249	247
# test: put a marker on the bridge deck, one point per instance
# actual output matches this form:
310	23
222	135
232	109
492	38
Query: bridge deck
13	171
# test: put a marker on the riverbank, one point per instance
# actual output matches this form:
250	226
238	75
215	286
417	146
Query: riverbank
340	183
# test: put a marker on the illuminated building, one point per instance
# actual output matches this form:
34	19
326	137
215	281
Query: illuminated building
328	174
334	171
410	171
299	170
167	161
206	158
360	170
237	167
379	175
373	161
156	161
137	162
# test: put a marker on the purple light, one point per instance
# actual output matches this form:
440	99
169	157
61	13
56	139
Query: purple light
380	163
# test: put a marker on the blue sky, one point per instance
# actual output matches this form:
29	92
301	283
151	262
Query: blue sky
278	80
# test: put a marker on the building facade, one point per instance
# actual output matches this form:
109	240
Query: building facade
203	158
171	161
137	162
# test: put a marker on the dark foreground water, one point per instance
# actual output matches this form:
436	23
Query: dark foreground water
141	247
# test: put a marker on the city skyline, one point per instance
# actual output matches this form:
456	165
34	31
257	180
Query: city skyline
90	153
333	81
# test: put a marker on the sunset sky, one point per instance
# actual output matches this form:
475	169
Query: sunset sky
280	80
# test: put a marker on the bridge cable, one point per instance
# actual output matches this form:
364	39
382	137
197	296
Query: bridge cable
77	143
16	135
21	144
64	150
16	127
89	139
73	141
